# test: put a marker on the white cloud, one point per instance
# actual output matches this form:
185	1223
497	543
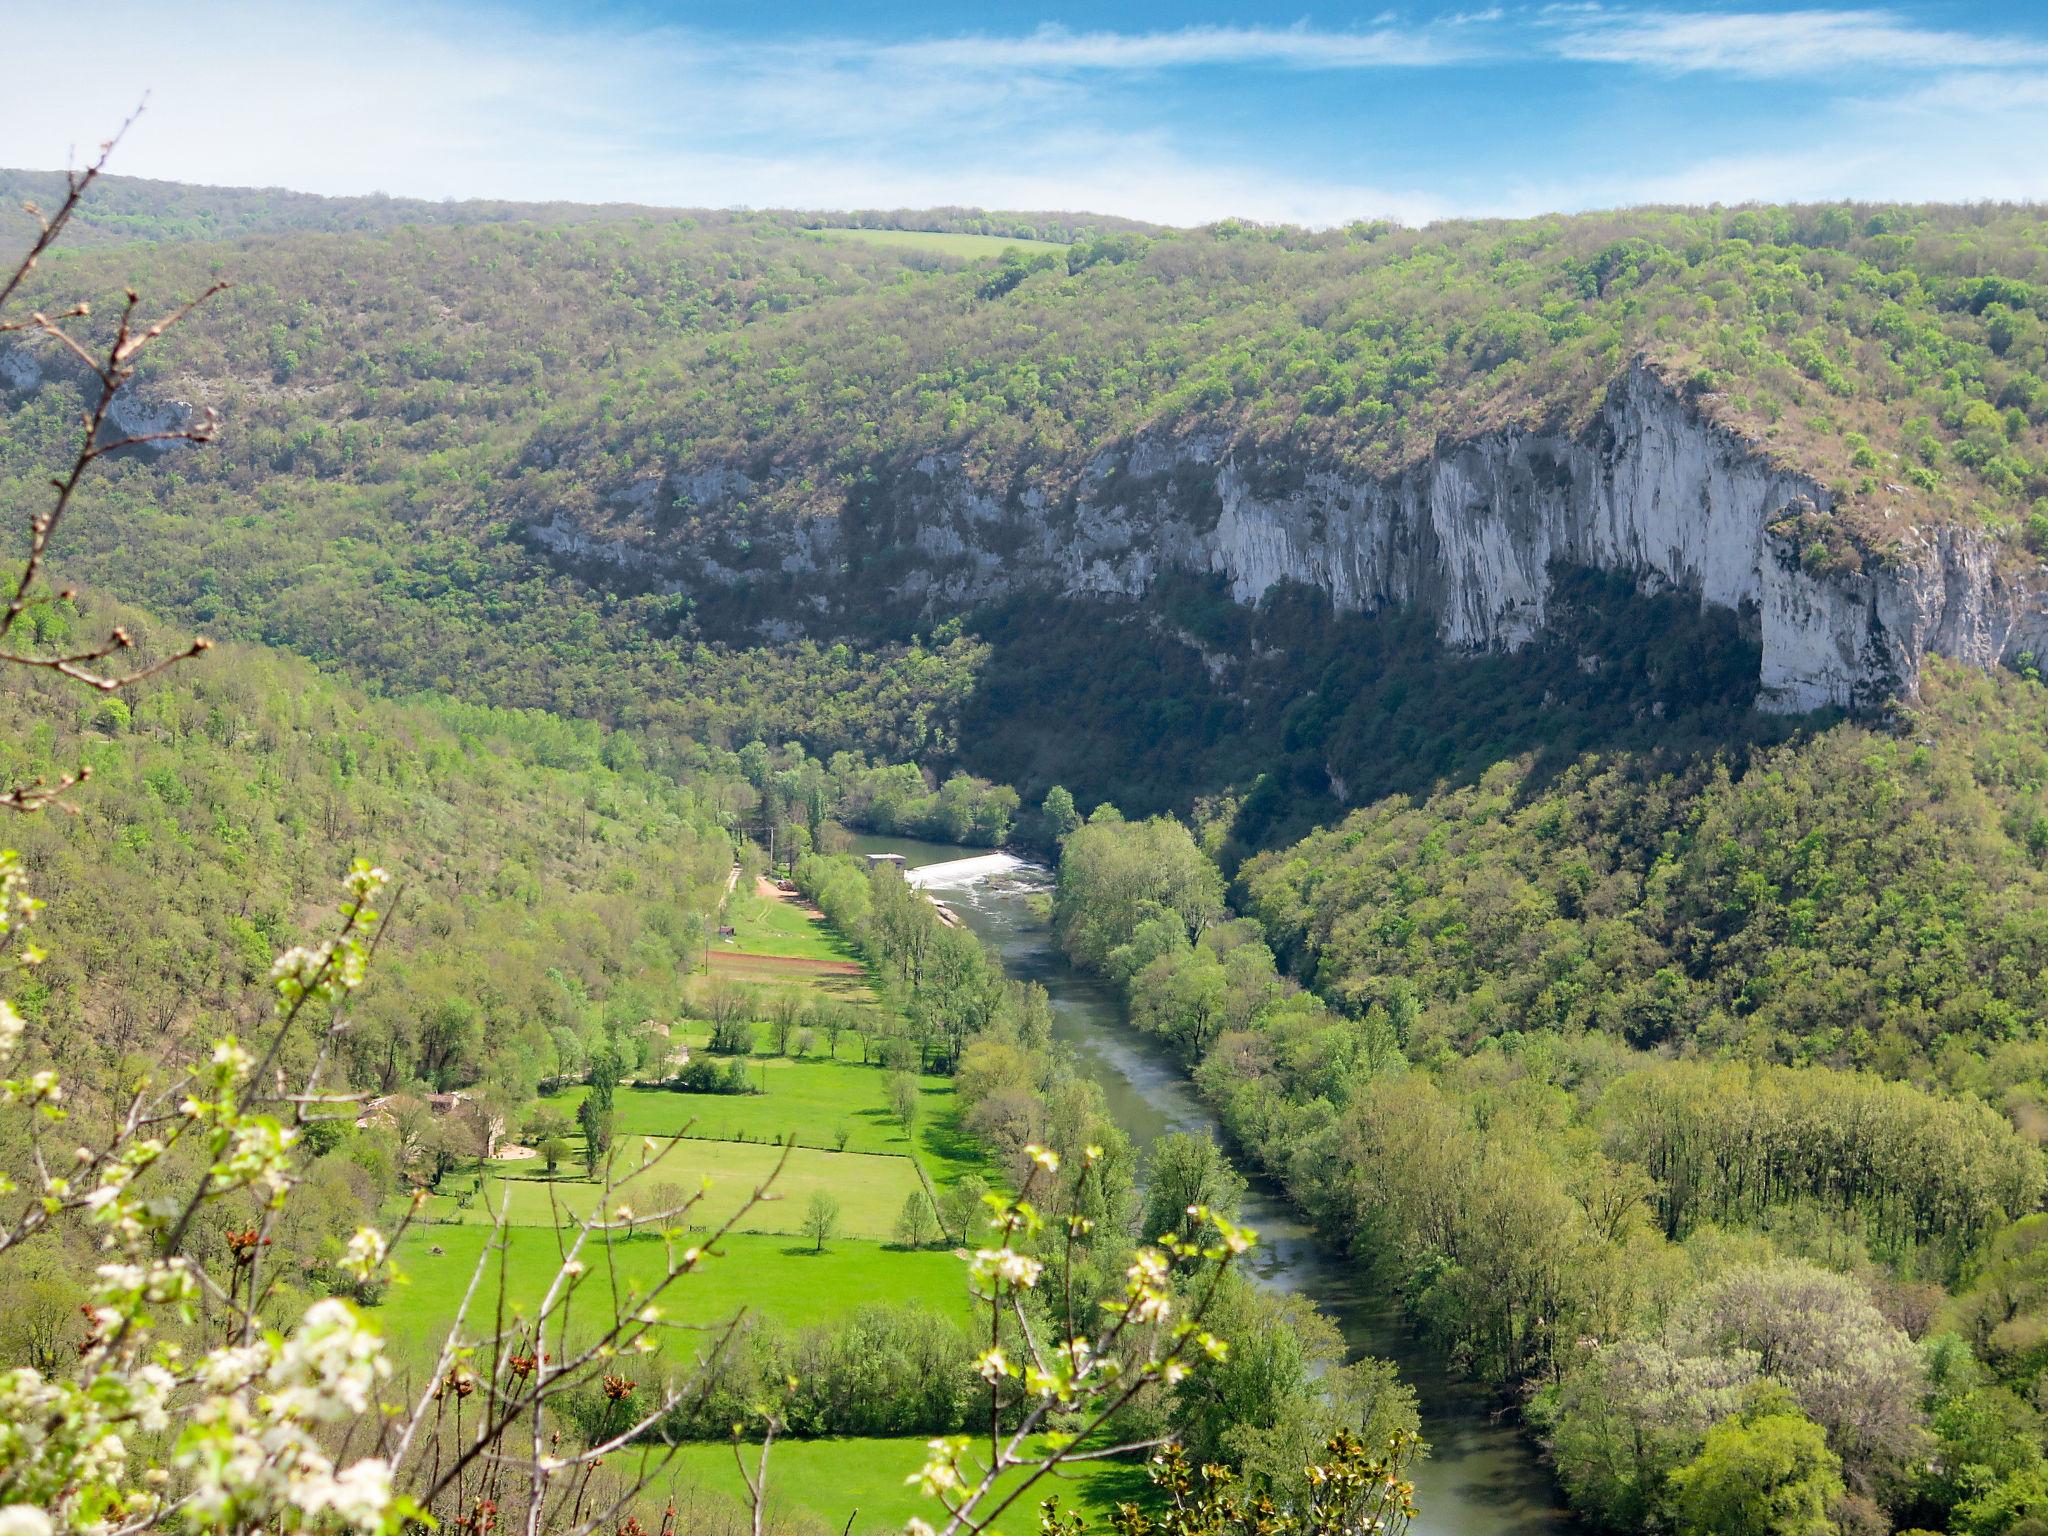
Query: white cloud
1780	44
1298	47
433	102
451	98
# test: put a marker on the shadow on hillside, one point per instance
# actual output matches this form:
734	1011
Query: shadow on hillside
1302	713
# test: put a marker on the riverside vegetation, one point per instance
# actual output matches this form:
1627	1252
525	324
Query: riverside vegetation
1680	1071
1698	1113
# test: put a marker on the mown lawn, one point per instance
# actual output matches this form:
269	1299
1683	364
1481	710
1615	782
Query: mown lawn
832	1480
777	1277
807	1101
870	1189
969	246
768	927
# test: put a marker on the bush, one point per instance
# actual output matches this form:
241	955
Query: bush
732	1037
703	1075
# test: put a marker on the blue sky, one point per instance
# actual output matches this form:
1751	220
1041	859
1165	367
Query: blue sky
1175	112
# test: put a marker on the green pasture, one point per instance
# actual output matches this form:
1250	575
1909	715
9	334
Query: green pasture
774	1276
870	1189
969	246
806	1101
765	927
862	1480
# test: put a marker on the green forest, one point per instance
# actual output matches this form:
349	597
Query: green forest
1676	1070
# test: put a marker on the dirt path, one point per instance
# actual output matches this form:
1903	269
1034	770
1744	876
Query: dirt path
768	890
727	960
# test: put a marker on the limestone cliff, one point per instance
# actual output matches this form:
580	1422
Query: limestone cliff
1651	490
130	415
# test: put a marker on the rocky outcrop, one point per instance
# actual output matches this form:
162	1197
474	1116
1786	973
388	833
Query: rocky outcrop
1651	489
131	416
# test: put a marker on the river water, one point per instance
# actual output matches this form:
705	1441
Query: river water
1481	1478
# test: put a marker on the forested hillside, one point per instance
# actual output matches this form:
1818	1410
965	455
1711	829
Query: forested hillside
1716	1164
1858	897
409	403
552	887
1865	345
1678	1067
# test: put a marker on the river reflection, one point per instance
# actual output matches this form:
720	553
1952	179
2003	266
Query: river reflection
1482	1478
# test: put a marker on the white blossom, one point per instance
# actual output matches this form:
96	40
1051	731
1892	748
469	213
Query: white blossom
1007	1266
366	1253
328	1366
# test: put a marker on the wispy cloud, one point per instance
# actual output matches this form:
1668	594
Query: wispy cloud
469	98
1296	47
1780	44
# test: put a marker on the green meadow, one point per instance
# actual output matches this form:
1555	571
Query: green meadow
723	1175
807	1102
771	1275
785	929
722	1146
858	1484
969	246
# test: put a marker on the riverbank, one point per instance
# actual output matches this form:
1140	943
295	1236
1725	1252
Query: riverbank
1483	1477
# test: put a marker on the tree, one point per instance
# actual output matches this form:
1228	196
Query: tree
39	1325
919	1223
452	1140
961	1207
547	1123
663	1197
1283	1391
1630	1413
1117	874
784	1012
1765	1472
1188	1172
730	1009
594	1117
1841	1361
734	1037
821	1218
554	1152
903	1098
1060	815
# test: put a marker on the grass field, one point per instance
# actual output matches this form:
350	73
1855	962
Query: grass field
870	1189
969	246
773	1276
767	1267
832	1480
780	944
806	1101
764	925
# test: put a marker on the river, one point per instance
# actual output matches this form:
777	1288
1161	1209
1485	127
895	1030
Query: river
1482	1477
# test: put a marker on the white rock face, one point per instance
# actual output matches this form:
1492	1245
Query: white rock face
128	414
1652	491
19	369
